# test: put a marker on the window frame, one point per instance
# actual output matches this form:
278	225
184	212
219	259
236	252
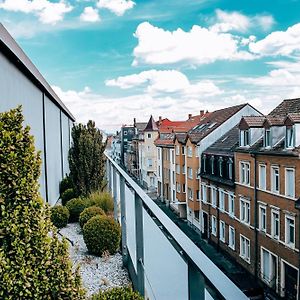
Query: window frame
260	166
230	240
273	177
247	241
261	221
245	173
285	181
287	231
245	211
222	229
213	225
275	212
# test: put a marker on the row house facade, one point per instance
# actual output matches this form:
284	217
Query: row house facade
250	188
188	151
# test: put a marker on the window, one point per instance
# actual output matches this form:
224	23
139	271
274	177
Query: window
183	187
268	268
204	163
221	200
173	177
290	231
230	168
158	153
190	151
244	138
245	211
196	215
204	193
183	150
245	173
172	156
190	173
178	187
197	151
221	166
222	231
290	137
214	225
150	164
213	196
267	139
212	162
125	132
290	182
190	193
262	218
177	150
231	204
245	248
262	177
231	238
177	169
183	169
275	224
198	195
275	179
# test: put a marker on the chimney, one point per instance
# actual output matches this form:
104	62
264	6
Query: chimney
189	115
159	120
201	113
134	122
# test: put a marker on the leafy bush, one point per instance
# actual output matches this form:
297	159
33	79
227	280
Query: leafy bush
103	200
100	234
88	213
124	293
76	207
67	195
33	263
65	184
60	216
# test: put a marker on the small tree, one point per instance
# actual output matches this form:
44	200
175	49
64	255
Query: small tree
34	263
86	158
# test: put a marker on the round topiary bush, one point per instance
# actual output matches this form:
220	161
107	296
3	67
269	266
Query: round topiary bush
124	293
100	234
67	195
103	200
76	207
88	213
60	216
65	184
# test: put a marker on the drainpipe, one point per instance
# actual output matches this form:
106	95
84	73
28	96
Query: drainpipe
297	206
218	218
255	217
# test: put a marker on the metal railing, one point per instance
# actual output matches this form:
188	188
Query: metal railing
162	260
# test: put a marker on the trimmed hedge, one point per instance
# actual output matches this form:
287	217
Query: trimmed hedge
118	293
60	216
65	184
100	234
76	207
103	200
88	213
67	195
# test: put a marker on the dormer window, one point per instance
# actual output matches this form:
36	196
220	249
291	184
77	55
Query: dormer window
290	137
212	161
220	166
244	138
267	139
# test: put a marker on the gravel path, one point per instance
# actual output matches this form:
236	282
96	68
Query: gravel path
96	272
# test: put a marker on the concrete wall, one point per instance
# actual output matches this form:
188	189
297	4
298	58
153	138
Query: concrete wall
16	89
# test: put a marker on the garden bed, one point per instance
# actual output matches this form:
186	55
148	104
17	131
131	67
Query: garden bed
96	272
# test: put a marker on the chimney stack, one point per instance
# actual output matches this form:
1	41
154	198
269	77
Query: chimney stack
134	122
189	115
201	113
159	119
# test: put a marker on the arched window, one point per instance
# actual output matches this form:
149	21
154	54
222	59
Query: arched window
204	163
230	168
212	161
221	166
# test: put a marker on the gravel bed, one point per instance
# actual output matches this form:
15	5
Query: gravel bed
96	272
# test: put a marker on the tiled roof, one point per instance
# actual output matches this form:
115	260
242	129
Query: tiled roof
140	126
295	117
212	121
151	125
225	144
275	120
254	121
286	107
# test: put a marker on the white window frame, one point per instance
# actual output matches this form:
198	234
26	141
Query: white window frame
190	194
213	225
273	177
286	183
262	185
245	173
263	276
287	141
178	187
230	168
189	151
190	173
177	169
231	208
267	138
243	141
231	237
273	212
245	211
214	196
222	231
287	235
212	164
262	218
245	248
177	150
221	203
204	193
183	169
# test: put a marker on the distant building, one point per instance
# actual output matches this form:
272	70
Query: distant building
49	119
116	147
127	134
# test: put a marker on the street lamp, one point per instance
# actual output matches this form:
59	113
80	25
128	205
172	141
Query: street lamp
297	206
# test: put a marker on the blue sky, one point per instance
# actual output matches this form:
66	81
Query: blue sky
112	60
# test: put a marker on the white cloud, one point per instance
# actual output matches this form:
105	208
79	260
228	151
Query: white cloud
197	46
277	43
166	81
48	12
118	7
90	14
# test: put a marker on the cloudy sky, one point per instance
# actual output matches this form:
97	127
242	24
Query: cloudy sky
112	60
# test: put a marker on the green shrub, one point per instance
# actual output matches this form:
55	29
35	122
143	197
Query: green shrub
76	207
60	216
103	200
33	263
118	293
65	184
67	195
100	234
88	213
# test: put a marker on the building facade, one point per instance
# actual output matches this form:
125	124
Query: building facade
49	119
